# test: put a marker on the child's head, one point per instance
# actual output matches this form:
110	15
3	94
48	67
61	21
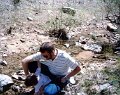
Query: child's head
31	80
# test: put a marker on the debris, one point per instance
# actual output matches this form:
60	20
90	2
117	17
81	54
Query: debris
15	88
4	55
29	18
9	30
22	40
100	56
93	47
15	76
69	11
90	46
101	87
19	75
67	45
111	27
72	80
4	63
20	72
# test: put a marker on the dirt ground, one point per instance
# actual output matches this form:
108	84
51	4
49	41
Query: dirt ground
27	35
14	65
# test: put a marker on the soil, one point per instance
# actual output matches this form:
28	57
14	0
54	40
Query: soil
25	36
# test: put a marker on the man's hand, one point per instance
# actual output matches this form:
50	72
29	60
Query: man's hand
64	79
72	73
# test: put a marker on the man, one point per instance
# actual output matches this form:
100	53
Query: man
55	63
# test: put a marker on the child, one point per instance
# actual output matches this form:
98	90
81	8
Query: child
40	81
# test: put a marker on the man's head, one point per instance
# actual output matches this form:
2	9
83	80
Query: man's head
47	50
31	80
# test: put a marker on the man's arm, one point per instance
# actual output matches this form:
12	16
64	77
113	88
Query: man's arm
72	73
27	60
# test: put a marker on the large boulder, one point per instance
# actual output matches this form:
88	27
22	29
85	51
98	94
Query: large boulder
5	83
93	47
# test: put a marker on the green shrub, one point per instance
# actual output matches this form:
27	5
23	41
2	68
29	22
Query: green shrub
107	48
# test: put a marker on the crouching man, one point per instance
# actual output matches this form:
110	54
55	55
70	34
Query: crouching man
55	64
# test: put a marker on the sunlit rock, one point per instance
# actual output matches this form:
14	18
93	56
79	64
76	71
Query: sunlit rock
5	83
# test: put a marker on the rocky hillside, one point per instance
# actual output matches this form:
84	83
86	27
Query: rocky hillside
76	26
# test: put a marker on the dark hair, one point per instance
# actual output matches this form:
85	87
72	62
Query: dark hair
32	66
47	46
31	80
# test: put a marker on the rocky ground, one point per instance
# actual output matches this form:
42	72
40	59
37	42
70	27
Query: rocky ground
89	42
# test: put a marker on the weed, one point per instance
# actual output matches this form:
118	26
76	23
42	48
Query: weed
16	1
105	92
91	91
88	83
107	48
93	37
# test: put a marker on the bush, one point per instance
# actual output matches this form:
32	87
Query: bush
16	1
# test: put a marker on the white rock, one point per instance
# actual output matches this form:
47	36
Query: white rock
4	55
104	86
15	76
67	45
4	63
93	47
5	80
72	80
78	44
29	18
81	93
83	38
111	26
3	38
101	87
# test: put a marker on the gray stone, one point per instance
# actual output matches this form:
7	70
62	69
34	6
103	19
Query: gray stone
18	77
66	45
111	27
72	80
22	40
5	83
15	88
4	63
4	55
93	47
29	18
69	10
101	87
